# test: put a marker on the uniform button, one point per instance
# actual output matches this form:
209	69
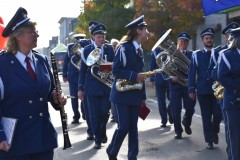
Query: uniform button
30	117
40	99
40	114
30	102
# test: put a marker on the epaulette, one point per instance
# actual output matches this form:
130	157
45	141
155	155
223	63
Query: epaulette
2	52
224	50
196	51
108	45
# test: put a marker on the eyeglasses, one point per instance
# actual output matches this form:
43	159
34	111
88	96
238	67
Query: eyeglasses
32	32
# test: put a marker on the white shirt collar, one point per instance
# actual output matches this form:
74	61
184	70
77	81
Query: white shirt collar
95	46
136	45
21	57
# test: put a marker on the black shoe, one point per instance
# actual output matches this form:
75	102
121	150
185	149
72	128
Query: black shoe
178	136
210	146
105	139
111	157
90	137
97	146
75	121
215	138
188	130
163	126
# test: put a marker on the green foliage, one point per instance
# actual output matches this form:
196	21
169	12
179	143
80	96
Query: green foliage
111	13
160	15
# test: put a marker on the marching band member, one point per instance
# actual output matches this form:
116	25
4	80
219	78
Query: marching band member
127	64
84	103
228	75
179	93
71	74
217	55
26	87
161	85
96	92
210	110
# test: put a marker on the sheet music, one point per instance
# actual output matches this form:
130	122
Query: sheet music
9	125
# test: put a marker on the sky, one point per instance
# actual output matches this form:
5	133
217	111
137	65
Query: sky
46	13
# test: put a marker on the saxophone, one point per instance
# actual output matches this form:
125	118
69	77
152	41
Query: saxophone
123	85
63	114
218	90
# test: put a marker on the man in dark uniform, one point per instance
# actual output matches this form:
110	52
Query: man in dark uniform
210	109
179	93
71	74
84	103
96	92
160	83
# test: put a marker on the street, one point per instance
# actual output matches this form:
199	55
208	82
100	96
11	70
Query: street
155	143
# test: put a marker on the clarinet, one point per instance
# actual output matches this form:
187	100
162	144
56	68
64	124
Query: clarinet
63	114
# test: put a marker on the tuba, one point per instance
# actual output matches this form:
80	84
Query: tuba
104	73
75	51
171	61
176	63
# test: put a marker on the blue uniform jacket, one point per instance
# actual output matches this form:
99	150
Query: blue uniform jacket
214	61
127	64
69	70
85	42
159	79
89	84
229	76
27	100
174	85
199	77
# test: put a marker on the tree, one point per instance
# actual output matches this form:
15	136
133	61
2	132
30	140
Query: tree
161	15
111	13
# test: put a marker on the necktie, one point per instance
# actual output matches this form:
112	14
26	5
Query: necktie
29	68
209	54
140	52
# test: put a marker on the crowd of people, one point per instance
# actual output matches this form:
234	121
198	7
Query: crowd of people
22	68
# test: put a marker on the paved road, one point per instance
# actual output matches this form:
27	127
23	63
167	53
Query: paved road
155	143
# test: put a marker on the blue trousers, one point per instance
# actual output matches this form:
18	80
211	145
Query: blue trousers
127	118
99	107
73	88
48	155
211	116
233	129
87	116
177	97
226	129
161	98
